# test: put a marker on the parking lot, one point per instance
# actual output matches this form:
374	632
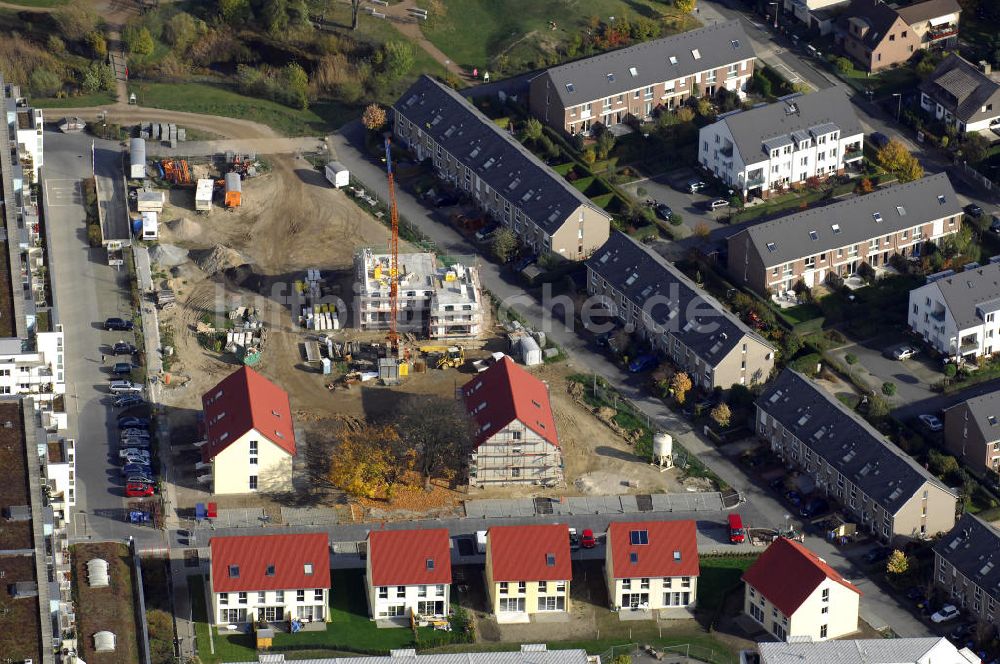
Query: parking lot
913	377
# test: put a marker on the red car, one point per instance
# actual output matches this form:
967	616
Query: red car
587	540
138	490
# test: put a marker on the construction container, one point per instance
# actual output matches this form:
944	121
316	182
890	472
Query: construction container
137	159
203	195
337	174
234	190
150	226
150	201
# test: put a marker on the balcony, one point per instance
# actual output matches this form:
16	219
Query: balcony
938	315
942	32
585	115
853	152
968	345
727	151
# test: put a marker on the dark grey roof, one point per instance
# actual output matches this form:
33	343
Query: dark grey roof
985	411
876	14
973	547
844	440
963	89
920	202
969	291
758	130
675	302
528	654
654	61
493	154
18	513
925	11
861	651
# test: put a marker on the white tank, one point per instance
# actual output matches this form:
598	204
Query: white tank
663	444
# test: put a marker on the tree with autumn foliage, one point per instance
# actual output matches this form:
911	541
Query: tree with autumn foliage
685	6
369	461
894	157
438	431
680	385
373	117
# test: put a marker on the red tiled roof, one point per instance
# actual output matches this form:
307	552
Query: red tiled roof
506	392
289	554
243	401
656	557
400	557
787	573
520	553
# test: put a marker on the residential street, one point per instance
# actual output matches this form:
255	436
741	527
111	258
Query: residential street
877	609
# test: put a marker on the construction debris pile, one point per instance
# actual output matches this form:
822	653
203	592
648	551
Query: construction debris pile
246	339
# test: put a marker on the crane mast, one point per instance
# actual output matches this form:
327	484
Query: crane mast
393	251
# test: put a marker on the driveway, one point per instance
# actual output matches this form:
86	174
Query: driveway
913	377
671	188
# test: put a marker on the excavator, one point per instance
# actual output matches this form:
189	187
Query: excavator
447	356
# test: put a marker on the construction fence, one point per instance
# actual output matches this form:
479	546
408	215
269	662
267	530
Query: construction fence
683	653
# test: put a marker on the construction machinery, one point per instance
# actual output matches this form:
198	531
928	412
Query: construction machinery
393	251
447	356
175	170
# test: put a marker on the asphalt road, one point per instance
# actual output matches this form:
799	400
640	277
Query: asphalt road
88	291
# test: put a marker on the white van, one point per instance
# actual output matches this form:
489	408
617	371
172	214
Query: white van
122	386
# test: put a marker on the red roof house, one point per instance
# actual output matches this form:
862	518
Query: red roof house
270	562
246	401
529	553
504	393
409	557
795	595
652	549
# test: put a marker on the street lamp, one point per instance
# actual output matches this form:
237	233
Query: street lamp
899	103
775	14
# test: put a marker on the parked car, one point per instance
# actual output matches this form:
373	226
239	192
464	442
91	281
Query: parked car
931	422
574	539
129	401
135	459
118	324
142	443
794	497
962	632
135	433
137	469
122	368
124	348
945	613
131	422
139	479
915	594
712	206
663	211
904	353
814	507
995	225
138	489
643	362
878	139
524	262
973	210
486	232
123	386
587	540
877	555
694	186
133	453
446	200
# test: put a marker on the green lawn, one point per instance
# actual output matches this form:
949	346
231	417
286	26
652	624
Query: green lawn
209	99
83	101
474	32
784	202
883	83
801	313
719	576
38	3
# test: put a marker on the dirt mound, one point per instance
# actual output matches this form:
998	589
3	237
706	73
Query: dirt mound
185	229
218	259
168	255
245	276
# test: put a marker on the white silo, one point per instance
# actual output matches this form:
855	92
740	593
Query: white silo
663	450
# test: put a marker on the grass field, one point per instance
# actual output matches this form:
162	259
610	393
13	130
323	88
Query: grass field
474	32
38	3
719	576
801	313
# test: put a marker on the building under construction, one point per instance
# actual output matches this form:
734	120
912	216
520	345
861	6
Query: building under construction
440	302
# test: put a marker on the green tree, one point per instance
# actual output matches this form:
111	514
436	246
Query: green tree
274	15
605	143
975	147
234	11
761	84
589	155
878	407
75	21
398	58
138	40
685	6
898	563
44	83
439	430
98	77
851	358
97	44
297	85
893	156
844	65
532	130
950	370
721	415
55	44
942	465
504	244
181	30
888	389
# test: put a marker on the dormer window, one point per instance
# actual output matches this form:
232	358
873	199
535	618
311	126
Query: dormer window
633	71
696	54
673	59
570	88
611	78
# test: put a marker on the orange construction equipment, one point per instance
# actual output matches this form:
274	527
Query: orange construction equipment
234	190
393	252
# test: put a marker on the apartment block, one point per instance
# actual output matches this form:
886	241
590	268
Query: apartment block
835	240
636	81
887	492
972	432
408	574
963	95
441	302
957	314
652	567
935	22
30	131
819	605
967	568
470	152
679	319
774	146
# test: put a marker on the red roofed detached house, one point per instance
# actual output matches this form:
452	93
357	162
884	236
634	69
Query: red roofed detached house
793	593
653	566
270	577
249	440
408	572
528	570
515	434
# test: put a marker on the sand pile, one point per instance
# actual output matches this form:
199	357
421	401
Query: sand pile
168	255
218	259
184	229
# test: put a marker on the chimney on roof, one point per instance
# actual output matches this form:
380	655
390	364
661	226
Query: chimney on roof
985	67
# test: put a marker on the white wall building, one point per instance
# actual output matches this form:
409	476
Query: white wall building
773	146
963	95
653	566
29	125
408	572
40	373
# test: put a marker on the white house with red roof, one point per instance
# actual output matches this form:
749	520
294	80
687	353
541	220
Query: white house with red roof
528	570
249	437
515	439
652	566
408	572
794	593
270	577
